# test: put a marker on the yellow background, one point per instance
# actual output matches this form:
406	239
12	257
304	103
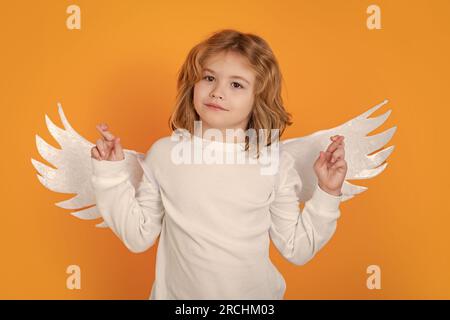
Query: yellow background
121	68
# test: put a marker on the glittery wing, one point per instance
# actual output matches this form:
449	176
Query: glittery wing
358	146
74	169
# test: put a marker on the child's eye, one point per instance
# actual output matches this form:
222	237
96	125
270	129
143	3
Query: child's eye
239	85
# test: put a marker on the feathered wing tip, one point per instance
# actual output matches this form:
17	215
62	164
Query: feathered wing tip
73	169
102	225
358	146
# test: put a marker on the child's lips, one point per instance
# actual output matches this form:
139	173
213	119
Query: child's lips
216	107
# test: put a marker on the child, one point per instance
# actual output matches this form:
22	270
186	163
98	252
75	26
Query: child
215	220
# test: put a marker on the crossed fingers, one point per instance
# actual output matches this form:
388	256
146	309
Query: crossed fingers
335	150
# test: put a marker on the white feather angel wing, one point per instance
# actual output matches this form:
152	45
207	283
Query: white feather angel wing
74	170
358	146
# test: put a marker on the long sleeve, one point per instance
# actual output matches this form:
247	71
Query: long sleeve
299	235
135	216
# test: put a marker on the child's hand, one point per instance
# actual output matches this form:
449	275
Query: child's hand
108	147
331	167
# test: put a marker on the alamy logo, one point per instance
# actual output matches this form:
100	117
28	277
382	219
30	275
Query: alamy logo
73	281
374	20
374	279
73	21
211	147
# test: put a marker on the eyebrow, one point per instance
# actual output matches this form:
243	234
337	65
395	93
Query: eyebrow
235	77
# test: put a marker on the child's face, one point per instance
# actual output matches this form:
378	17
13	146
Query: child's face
218	86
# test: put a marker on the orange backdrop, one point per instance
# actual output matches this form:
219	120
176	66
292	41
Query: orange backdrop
121	68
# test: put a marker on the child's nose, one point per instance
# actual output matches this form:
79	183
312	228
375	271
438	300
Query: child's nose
216	95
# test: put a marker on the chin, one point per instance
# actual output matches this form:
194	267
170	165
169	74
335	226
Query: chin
214	123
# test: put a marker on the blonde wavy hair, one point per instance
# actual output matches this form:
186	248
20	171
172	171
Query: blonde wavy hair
268	111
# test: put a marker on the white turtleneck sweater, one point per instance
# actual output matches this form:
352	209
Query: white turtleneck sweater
215	221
